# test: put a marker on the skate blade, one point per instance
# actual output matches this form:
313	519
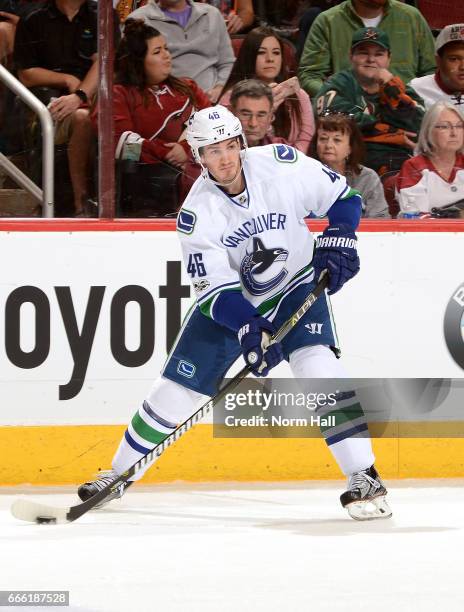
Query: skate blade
376	508
102	505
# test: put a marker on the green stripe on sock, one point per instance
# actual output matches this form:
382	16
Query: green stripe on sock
146	432
345	415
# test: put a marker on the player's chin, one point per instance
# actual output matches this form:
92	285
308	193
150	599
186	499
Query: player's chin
225	177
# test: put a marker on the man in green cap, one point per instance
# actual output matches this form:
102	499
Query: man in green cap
388	113
328	43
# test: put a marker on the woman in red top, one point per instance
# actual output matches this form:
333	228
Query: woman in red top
434	177
150	111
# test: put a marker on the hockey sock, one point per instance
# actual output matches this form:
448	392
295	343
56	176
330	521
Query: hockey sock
348	436
348	439
145	431
167	405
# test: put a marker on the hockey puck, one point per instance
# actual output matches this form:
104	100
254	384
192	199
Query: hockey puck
44	520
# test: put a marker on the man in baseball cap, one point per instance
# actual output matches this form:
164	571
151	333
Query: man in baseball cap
372	36
411	40
448	81
388	113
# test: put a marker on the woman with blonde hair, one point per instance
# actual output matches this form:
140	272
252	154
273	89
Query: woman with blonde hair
434	177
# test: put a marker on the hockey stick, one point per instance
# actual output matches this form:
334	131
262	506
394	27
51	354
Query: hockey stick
35	512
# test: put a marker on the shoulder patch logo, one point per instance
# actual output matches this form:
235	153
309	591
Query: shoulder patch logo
285	154
201	285
186	220
186	369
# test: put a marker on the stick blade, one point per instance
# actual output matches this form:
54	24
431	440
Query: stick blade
31	511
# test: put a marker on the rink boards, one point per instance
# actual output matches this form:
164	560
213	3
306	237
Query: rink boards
87	310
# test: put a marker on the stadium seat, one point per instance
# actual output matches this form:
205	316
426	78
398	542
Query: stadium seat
389	187
147	190
440	13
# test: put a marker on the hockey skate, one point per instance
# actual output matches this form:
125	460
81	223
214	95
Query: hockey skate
88	489
365	497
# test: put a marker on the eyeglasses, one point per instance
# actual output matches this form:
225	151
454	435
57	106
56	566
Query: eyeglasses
447	126
261	116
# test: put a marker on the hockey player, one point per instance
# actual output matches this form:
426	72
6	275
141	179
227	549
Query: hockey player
250	256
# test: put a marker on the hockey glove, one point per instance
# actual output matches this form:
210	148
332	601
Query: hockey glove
336	250
258	353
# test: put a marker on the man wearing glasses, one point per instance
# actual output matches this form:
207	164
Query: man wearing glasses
251	101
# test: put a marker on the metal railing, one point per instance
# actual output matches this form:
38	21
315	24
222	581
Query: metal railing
45	195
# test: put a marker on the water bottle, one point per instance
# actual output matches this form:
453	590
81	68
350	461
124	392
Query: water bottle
410	209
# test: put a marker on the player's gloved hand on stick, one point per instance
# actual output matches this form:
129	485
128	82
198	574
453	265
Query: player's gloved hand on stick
336	250
254	339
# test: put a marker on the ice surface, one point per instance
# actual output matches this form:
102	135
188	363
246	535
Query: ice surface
244	547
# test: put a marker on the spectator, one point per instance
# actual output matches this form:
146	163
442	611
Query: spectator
284	15
56	48
124	8
435	176
251	101
338	144
9	20
326	50
388	113
238	14
260	57
307	19
197	38
448	81
151	109
11	12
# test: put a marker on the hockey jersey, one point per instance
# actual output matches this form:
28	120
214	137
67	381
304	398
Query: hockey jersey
432	89
420	184
383	117
257	241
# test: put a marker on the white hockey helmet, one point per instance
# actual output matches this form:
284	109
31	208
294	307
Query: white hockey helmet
210	125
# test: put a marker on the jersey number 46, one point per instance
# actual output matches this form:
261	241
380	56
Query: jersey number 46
195	266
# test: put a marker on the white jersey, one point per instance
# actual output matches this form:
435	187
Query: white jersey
256	241
431	92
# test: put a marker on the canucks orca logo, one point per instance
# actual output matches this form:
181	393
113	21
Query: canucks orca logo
265	264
